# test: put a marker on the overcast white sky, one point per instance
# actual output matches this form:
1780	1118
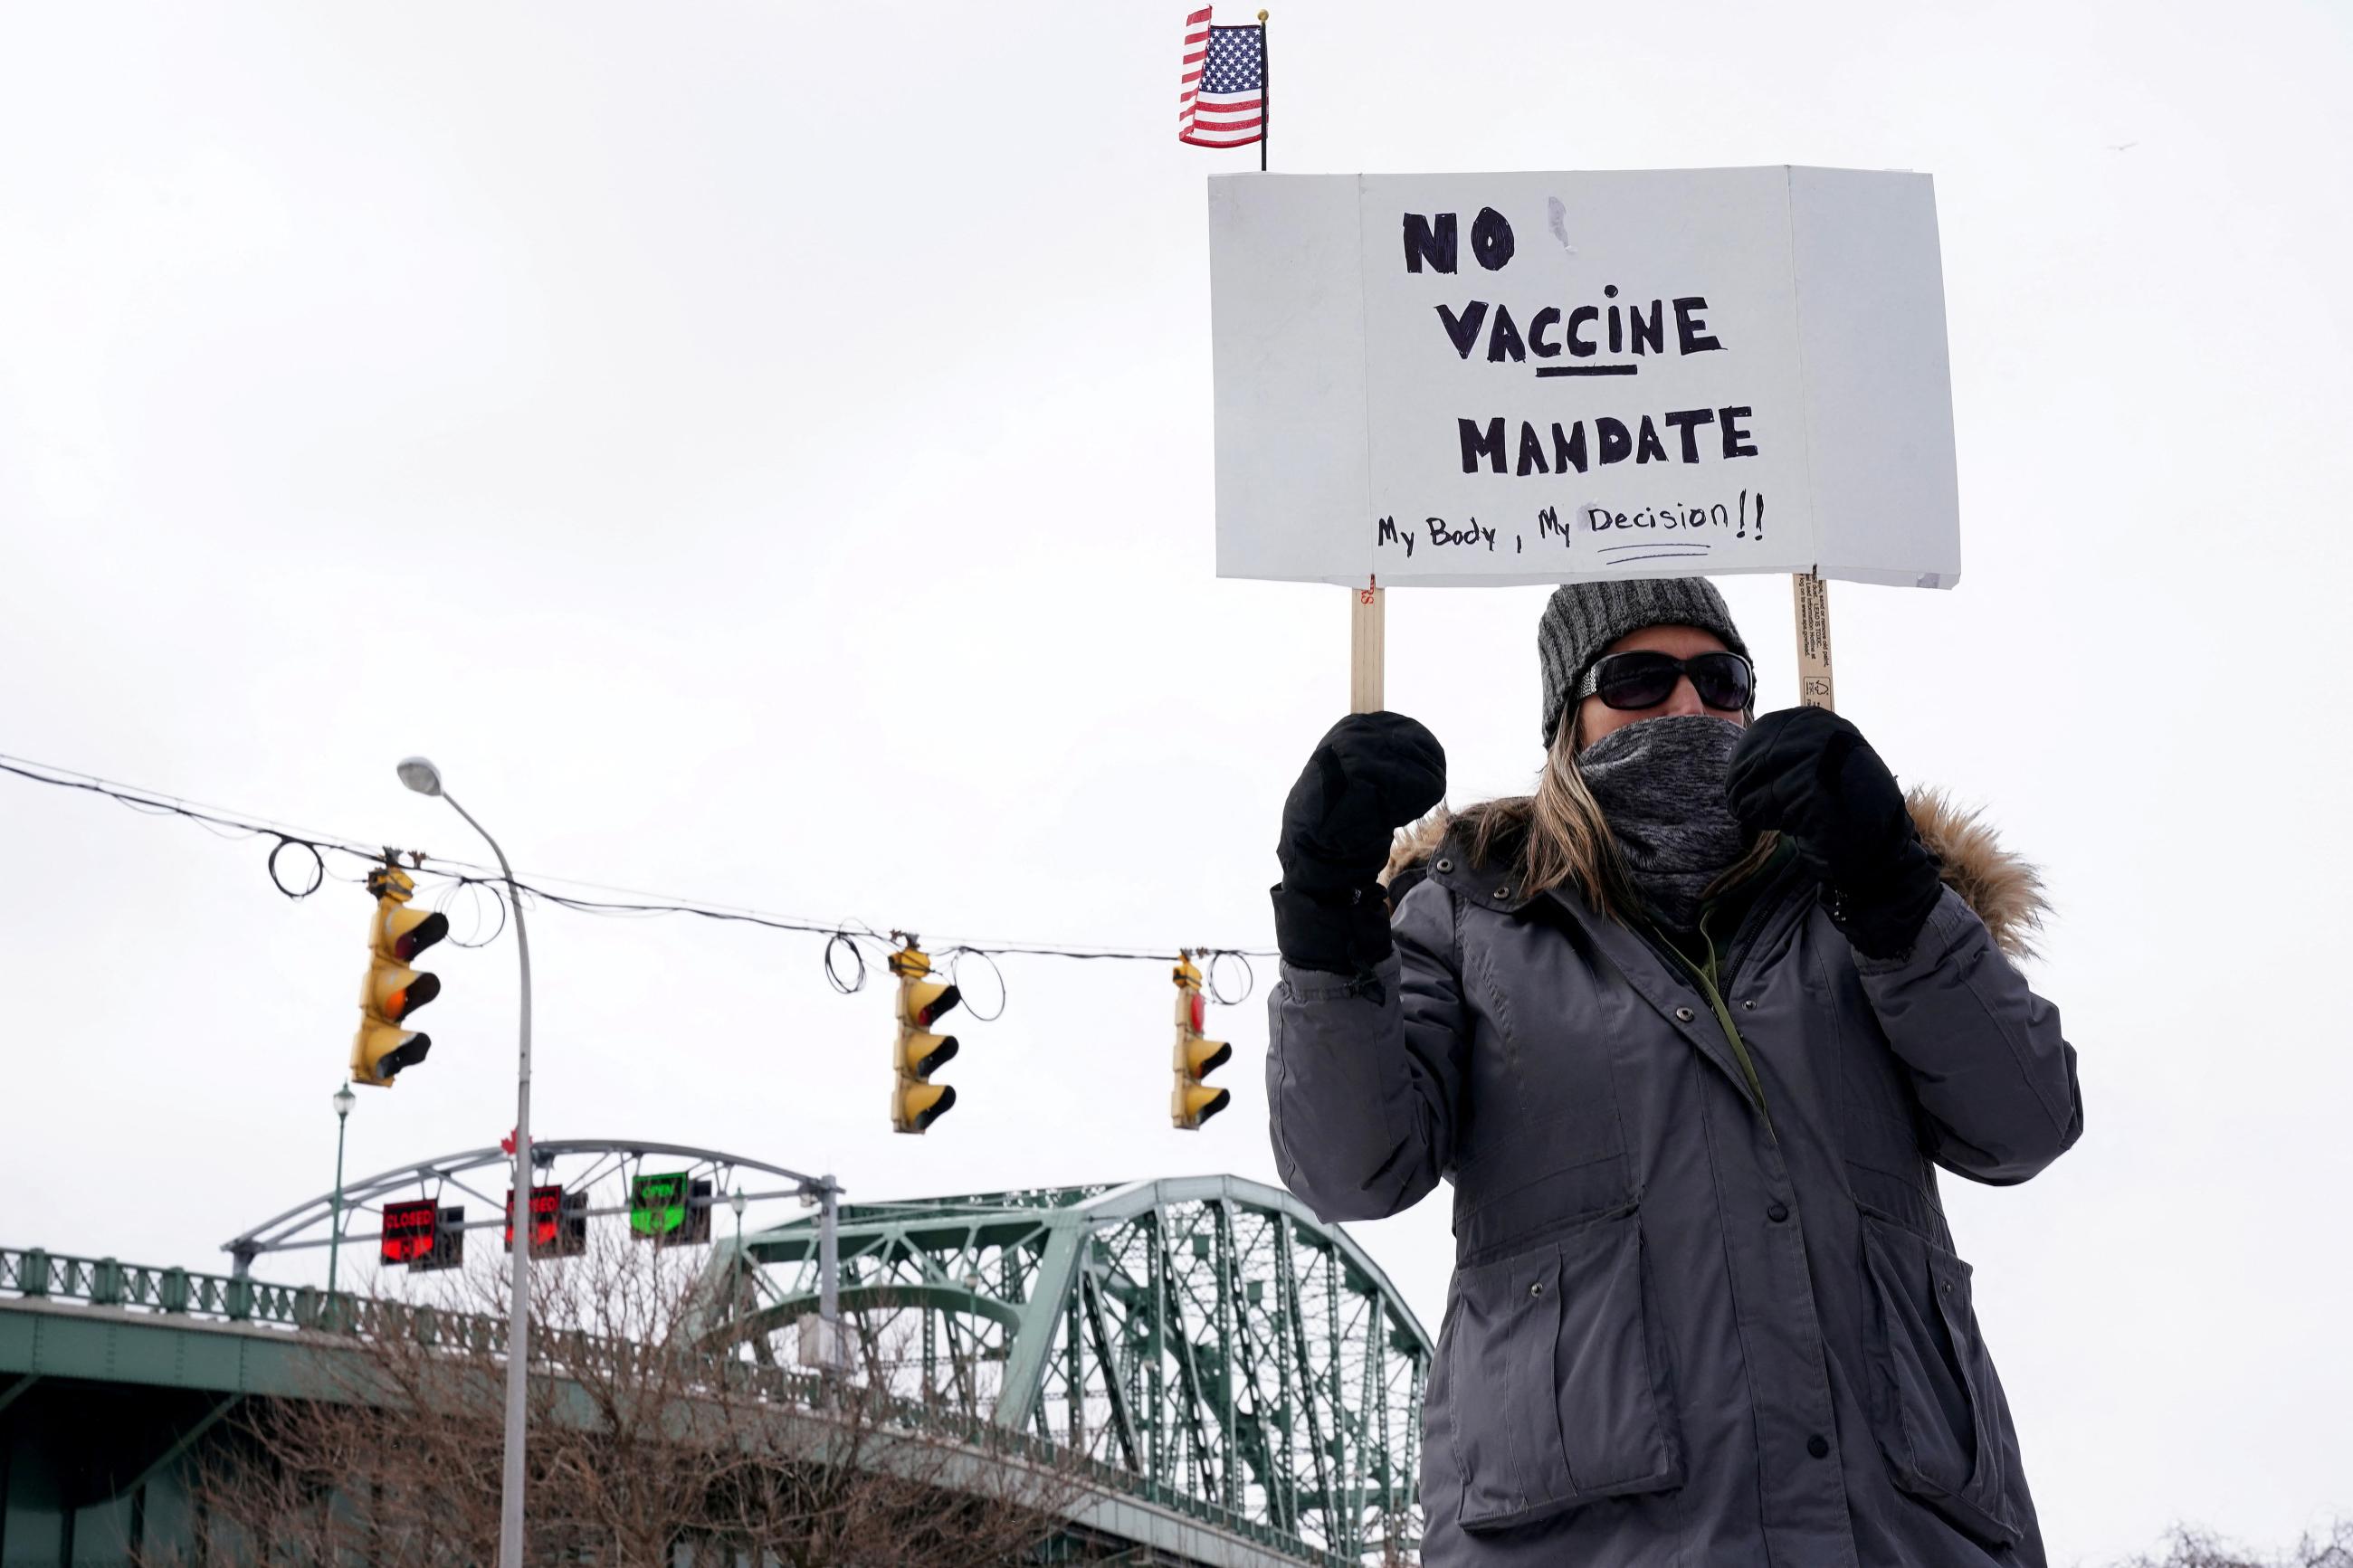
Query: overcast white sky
762	451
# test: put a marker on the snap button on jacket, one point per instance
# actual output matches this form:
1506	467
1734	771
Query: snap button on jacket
1698	1319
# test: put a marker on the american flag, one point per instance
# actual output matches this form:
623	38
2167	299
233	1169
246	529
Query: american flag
1224	101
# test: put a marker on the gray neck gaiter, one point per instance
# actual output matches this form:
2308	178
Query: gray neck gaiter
1660	783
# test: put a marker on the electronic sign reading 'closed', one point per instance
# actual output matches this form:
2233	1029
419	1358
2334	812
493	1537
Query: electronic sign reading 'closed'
423	1235
408	1229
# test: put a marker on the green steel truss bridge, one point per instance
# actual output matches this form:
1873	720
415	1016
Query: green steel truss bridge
1239	1382
1205	1333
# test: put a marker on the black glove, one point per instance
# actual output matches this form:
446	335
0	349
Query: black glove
1809	773
1370	775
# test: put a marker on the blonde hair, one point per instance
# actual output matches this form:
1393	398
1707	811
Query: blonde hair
1558	836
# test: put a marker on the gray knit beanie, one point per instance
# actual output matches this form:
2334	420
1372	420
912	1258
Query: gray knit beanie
1582	619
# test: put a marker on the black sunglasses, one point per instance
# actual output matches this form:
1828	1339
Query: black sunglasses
1725	681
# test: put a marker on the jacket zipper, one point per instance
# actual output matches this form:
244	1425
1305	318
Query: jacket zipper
1706	977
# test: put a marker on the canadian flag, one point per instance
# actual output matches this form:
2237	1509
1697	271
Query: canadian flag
507	1143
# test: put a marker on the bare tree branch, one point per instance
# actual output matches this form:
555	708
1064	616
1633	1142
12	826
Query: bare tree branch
643	1445
2188	1548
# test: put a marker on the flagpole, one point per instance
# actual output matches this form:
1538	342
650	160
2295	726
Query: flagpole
1265	92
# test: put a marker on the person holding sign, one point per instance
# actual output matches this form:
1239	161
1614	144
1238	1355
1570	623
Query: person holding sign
1689	1030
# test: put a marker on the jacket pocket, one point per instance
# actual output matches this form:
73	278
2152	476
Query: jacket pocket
1935	1401
1556	1394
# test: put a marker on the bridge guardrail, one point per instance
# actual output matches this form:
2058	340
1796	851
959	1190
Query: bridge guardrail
36	1274
109	1283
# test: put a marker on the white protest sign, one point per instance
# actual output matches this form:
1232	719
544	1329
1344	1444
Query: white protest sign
1458	379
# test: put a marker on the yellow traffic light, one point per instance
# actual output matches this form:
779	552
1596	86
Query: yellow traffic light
1193	1102
915	1101
392	989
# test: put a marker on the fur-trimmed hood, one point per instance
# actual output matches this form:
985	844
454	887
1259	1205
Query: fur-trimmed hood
2004	888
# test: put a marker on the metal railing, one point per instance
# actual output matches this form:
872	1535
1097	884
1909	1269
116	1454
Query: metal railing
37	1275
109	1283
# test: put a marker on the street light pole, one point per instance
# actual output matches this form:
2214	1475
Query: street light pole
829	1273
344	1099
735	1201
423	777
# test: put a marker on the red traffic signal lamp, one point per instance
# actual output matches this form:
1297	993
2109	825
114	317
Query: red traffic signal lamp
915	1101
559	1221
1193	1102
392	989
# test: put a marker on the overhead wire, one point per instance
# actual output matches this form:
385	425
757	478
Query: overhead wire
846	974
955	955
449	895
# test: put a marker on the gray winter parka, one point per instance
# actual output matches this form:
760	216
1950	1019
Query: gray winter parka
1705	1311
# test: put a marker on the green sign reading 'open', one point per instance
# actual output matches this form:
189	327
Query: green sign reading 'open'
670	1207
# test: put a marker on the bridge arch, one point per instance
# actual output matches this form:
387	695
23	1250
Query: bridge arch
315	1221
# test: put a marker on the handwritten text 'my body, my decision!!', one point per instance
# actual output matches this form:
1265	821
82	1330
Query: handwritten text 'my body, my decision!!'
1573	342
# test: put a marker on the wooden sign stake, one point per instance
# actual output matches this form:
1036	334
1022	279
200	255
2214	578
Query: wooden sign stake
1813	605
1364	649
